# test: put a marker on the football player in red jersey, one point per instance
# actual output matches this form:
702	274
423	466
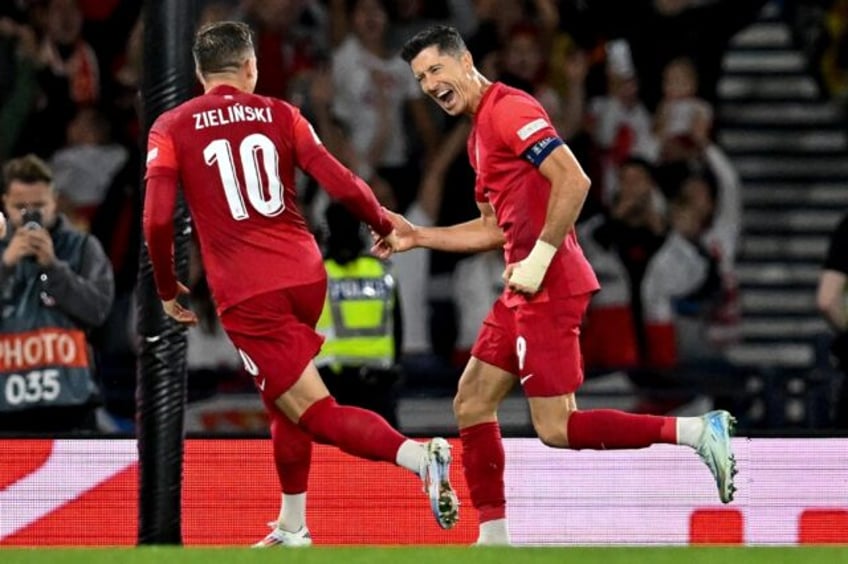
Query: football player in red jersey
529	190
234	154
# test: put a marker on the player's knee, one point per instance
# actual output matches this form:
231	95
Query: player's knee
470	410
551	433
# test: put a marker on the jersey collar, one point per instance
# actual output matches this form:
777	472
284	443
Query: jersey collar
224	89
486	95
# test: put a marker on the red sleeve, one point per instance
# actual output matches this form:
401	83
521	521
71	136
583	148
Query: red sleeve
158	218
522	123
337	180
161	155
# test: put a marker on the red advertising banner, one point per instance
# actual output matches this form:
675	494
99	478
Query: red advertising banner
84	492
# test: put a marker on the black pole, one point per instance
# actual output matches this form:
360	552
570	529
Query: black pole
167	81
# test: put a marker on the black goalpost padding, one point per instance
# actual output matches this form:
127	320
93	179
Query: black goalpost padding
167	81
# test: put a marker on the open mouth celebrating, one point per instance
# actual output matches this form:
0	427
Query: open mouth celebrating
446	97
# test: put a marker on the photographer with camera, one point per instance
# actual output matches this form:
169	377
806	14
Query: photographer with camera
56	284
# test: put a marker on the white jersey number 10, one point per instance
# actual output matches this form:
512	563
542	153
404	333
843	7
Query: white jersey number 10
255	151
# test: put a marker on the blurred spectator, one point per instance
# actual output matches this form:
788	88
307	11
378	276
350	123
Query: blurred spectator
336	136
477	283
692	28
126	83
496	20
19	60
832	305
56	286
696	305
704	172
725	227
85	169
291	37
619	246
360	321
106	26
646	261
682	119
523	65
373	99
411	16
834	55
619	123
68	78
425	327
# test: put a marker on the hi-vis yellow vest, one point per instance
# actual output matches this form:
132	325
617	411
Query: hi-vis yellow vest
357	319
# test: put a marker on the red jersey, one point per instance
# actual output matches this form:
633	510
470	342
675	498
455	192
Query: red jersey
235	154
511	135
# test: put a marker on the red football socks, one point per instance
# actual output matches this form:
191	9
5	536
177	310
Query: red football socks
483	462
356	431
611	429
292	453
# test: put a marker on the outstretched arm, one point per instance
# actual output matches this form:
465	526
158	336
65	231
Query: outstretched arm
336	179
481	234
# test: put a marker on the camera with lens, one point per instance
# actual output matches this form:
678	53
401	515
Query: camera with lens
31	218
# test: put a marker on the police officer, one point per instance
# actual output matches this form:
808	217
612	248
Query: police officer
360	321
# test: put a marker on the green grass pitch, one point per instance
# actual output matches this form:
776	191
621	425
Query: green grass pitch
422	555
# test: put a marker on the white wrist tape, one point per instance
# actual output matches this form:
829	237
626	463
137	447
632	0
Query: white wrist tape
530	271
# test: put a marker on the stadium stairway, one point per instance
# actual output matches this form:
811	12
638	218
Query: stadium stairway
790	149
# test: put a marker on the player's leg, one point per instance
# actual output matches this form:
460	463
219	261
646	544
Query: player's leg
550	368
365	434
292	459
487	379
481	390
559	424
275	335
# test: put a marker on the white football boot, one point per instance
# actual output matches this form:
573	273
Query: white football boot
436	477
715	450
281	537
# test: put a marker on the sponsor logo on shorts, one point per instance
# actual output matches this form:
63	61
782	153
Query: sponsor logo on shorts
249	365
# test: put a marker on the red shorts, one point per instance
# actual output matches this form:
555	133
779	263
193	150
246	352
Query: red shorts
275	335
539	342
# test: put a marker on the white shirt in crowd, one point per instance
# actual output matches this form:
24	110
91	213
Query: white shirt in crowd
359	98
412	271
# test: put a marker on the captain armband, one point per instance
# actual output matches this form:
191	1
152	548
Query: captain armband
539	151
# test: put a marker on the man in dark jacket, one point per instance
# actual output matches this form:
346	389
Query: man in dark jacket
56	284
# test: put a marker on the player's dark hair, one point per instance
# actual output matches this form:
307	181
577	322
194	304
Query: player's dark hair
446	38
27	170
222	47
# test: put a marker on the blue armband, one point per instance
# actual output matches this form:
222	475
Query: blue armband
539	151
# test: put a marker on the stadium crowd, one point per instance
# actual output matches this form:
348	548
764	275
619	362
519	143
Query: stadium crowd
661	224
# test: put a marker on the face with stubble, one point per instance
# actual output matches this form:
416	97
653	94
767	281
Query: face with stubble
449	79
